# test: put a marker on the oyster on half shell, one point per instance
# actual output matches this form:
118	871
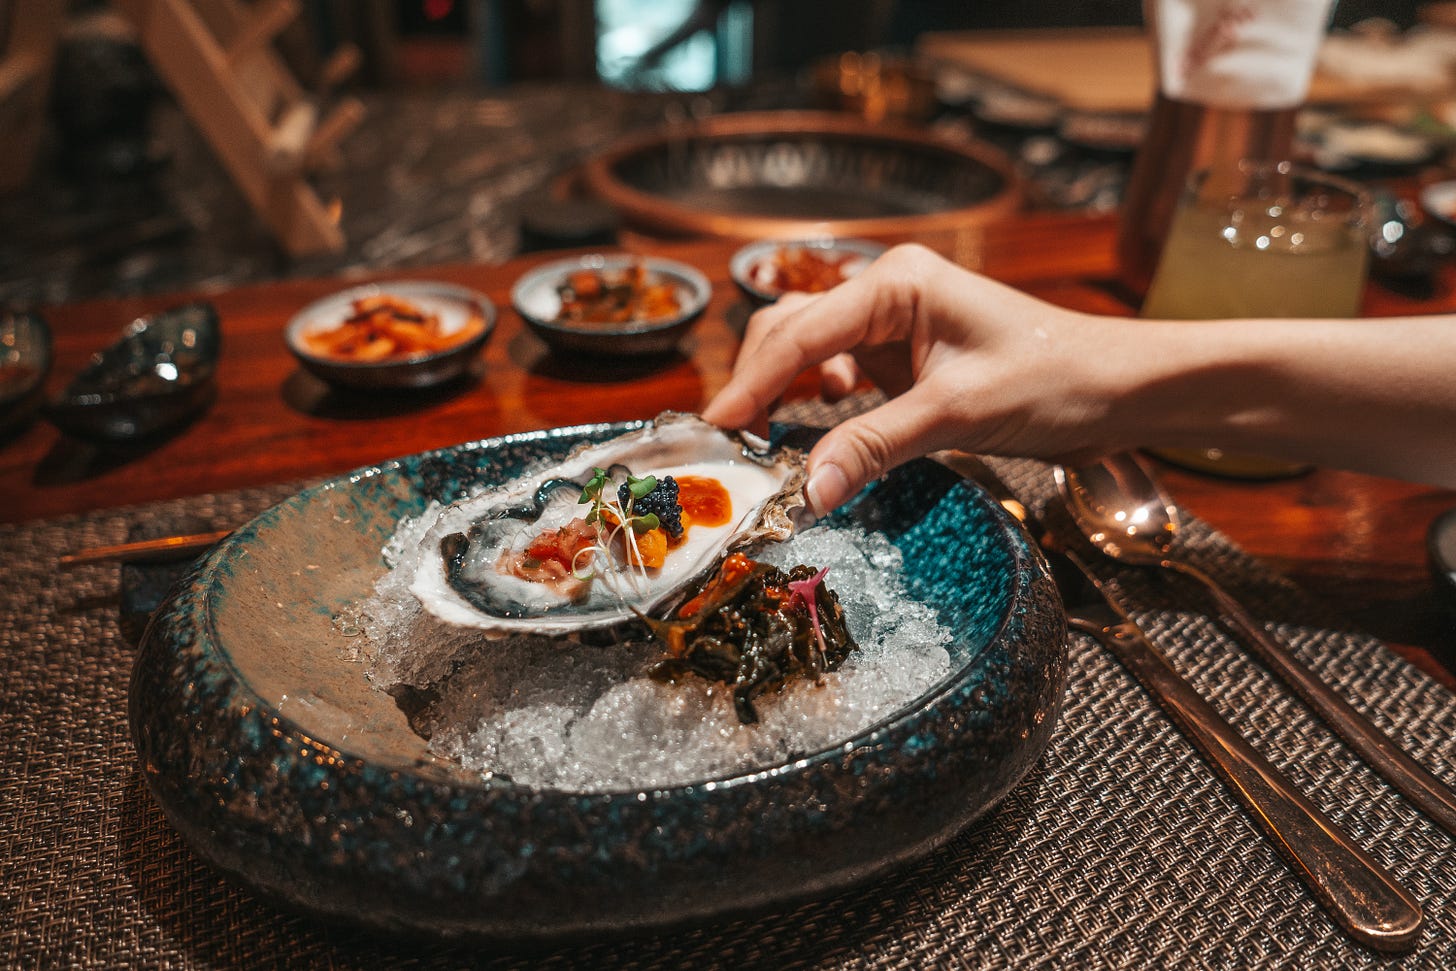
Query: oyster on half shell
460	578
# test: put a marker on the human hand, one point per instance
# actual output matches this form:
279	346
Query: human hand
966	362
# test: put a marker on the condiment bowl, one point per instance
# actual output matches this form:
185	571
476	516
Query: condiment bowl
158	376
25	362
537	298
1103	133
456	308
752	266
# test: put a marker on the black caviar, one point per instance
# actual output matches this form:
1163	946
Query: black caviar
660	502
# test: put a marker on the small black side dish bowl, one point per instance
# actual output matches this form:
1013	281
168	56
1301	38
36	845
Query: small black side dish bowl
536	297
158	376
279	761
25	362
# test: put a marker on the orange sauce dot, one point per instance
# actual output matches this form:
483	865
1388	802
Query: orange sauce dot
705	499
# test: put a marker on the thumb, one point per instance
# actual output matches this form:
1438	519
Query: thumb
862	449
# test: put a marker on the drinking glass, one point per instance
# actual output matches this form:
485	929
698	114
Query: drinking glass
1261	239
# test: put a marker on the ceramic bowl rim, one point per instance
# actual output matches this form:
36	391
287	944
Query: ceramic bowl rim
1429	148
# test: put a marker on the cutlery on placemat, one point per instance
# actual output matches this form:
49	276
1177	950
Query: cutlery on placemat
1362	897
1118	506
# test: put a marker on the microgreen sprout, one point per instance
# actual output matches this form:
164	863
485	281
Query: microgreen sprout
618	511
592	493
640	487
589	570
807	592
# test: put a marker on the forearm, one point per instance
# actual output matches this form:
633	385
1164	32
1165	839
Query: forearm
1373	395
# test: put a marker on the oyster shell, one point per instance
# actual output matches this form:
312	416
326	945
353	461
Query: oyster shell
460	578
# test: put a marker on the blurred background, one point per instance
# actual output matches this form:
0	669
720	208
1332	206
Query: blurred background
473	116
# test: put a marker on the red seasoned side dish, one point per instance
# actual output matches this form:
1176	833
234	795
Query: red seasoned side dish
385	327
622	296
801	269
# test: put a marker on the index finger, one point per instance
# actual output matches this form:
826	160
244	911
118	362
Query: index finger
814	332
764	320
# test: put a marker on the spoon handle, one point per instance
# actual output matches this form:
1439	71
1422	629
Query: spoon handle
1429	794
1356	890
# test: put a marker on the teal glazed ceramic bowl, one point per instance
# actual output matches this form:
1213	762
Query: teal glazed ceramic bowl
278	762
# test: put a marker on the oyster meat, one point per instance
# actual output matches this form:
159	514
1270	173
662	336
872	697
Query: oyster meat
482	564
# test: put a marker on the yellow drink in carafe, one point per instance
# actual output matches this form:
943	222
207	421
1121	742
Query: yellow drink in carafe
1260	259
1218	264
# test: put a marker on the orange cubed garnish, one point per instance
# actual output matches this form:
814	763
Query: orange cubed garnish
650	548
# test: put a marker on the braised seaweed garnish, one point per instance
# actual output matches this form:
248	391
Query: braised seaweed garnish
755	627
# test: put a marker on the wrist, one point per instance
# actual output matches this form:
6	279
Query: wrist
1196	383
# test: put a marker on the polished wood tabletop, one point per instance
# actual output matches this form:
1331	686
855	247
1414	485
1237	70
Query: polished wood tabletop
1354	542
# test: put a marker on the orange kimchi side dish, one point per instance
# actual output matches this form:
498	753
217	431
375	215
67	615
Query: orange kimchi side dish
383	327
623	296
802	269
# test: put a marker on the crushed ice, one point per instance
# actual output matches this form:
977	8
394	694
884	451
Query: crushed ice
551	713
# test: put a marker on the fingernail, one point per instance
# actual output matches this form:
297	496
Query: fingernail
828	487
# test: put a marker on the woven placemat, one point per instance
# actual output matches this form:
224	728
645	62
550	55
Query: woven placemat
1119	849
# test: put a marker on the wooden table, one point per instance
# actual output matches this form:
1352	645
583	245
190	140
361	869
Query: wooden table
1353	541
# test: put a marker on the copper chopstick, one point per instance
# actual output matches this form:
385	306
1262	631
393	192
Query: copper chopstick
145	550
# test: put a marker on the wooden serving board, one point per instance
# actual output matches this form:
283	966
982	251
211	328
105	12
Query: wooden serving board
1098	69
